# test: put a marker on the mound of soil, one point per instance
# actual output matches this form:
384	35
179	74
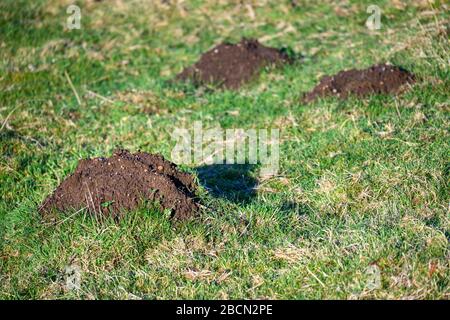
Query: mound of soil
378	79
110	186
232	65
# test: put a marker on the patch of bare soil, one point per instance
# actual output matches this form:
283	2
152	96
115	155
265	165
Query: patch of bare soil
111	186
378	79
231	65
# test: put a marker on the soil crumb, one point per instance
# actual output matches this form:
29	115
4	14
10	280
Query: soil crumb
378	79
231	65
111	186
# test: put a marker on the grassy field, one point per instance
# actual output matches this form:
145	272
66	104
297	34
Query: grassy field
363	186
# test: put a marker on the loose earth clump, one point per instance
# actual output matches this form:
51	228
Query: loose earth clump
378	79
111	186
232	65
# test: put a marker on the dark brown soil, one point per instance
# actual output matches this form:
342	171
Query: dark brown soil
232	65
378	79
111	186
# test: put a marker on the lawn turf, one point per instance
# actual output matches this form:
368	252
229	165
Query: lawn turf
362	186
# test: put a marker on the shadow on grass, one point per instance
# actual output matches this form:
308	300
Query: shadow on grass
237	183
234	182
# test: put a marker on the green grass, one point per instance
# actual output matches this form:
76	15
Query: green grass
361	183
